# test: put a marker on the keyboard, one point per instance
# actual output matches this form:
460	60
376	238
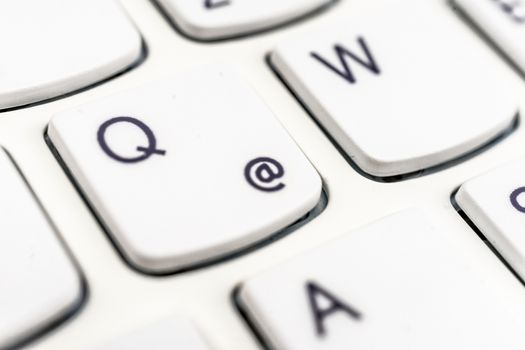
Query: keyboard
279	174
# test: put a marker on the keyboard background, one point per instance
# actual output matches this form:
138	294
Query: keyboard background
121	300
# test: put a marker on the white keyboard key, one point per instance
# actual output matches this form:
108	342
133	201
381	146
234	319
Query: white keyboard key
217	174
503	21
218	19
59	46
168	334
399	100
39	285
495	203
396	284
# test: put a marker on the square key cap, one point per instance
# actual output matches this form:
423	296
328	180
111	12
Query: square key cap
402	95
40	285
55	47
186	171
399	283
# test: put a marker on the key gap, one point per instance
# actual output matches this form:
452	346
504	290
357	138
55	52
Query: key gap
83	299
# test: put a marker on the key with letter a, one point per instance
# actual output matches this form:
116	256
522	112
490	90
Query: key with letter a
401	96
399	283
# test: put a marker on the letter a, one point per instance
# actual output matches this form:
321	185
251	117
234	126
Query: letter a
345	72
314	292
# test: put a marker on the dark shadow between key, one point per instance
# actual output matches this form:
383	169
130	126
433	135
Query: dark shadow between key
480	234
250	322
234	254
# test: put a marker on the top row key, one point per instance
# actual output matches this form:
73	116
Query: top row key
62	46
55	47
221	19
502	21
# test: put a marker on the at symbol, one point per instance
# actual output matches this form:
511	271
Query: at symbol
263	173
146	151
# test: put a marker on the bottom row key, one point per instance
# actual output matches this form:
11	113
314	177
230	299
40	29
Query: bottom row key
396	284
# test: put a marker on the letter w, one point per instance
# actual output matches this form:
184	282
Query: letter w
345	71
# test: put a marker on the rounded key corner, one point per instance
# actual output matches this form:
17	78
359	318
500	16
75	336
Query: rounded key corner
311	287
373	169
32	96
74	301
150	267
141	58
249	318
77	303
459	193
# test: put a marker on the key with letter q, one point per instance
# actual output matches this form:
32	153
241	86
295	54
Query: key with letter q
185	173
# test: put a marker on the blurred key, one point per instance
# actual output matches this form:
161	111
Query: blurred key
495	203
54	47
399	283
503	21
39	285
218	19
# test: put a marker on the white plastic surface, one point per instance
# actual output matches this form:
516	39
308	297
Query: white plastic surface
398	283
503	21
122	300
495	203
217	19
421	98
53	47
169	334
195	202
39	285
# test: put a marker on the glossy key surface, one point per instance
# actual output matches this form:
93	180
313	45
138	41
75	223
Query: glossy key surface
55	47
186	171
495	202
